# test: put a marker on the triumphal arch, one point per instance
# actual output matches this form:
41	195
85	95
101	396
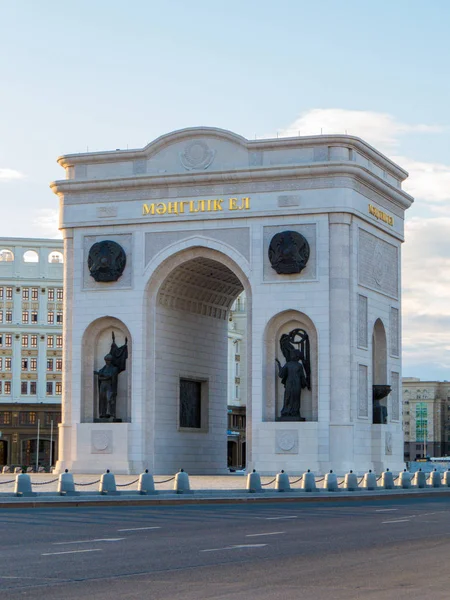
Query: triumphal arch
160	241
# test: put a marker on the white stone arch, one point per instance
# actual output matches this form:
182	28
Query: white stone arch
30	256
95	343
284	322
157	272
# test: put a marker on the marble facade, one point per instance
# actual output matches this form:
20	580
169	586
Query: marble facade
195	211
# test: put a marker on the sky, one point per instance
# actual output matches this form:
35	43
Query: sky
106	74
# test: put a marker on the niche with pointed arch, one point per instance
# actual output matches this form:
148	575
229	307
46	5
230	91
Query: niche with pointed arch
283	323
96	345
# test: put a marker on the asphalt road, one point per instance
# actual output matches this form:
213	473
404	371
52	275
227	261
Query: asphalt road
377	550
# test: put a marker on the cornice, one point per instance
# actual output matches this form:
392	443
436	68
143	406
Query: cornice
165	140
255	174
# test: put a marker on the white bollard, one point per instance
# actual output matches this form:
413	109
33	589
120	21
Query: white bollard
330	483
282	483
308	483
146	484
254	482
351	482
420	480
22	487
404	479
387	480
434	479
446	478
6	469
369	481
181	483
66	485
107	483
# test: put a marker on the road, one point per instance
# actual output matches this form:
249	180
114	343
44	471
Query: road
383	550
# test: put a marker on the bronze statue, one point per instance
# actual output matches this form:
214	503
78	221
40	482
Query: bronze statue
115	363
288	252
295	374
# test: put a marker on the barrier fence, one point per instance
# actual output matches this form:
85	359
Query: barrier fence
145	483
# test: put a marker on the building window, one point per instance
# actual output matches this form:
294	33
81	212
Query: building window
53	416
190	403
49	364
8	316
59	317
50	317
25	340
25	293
58	388
7	388
24	364
59	294
27	418
51	294
34	293
237	392
1	382
59	364
1	363
5	418
49	388
1	293
34	317
24	388
8	362
33	387
9	292
33	364
8	340
236	369
59	341
25	316
1	316
50	341
34	341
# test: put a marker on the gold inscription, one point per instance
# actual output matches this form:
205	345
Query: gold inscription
379	214
182	207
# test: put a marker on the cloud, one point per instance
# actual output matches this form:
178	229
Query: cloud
46	223
379	129
10	175
427	181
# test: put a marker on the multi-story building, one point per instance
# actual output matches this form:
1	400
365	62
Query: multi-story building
237	383
31	315
426	418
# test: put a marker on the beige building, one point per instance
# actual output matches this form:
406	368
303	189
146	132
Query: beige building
31	316
426	418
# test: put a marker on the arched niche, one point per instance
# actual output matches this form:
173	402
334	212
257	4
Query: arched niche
379	354
96	345
56	257
273	388
31	256
6	255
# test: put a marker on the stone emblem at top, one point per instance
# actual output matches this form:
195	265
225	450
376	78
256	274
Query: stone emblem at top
288	252
106	261
197	155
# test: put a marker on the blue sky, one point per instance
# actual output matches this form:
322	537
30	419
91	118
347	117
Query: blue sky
109	74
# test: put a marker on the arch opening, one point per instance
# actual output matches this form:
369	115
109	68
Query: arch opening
380	387
191	312
31	256
6	255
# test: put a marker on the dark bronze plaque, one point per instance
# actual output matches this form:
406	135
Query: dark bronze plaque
190	403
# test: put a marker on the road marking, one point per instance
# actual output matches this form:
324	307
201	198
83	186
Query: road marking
71	552
138	529
258	534
279	518
239	546
385	509
89	541
397	521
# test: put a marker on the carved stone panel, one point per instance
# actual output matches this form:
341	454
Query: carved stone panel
363	391
388	444
288	252
362	322
106	261
377	264
395	396
125	279
394	330
101	441
286	441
